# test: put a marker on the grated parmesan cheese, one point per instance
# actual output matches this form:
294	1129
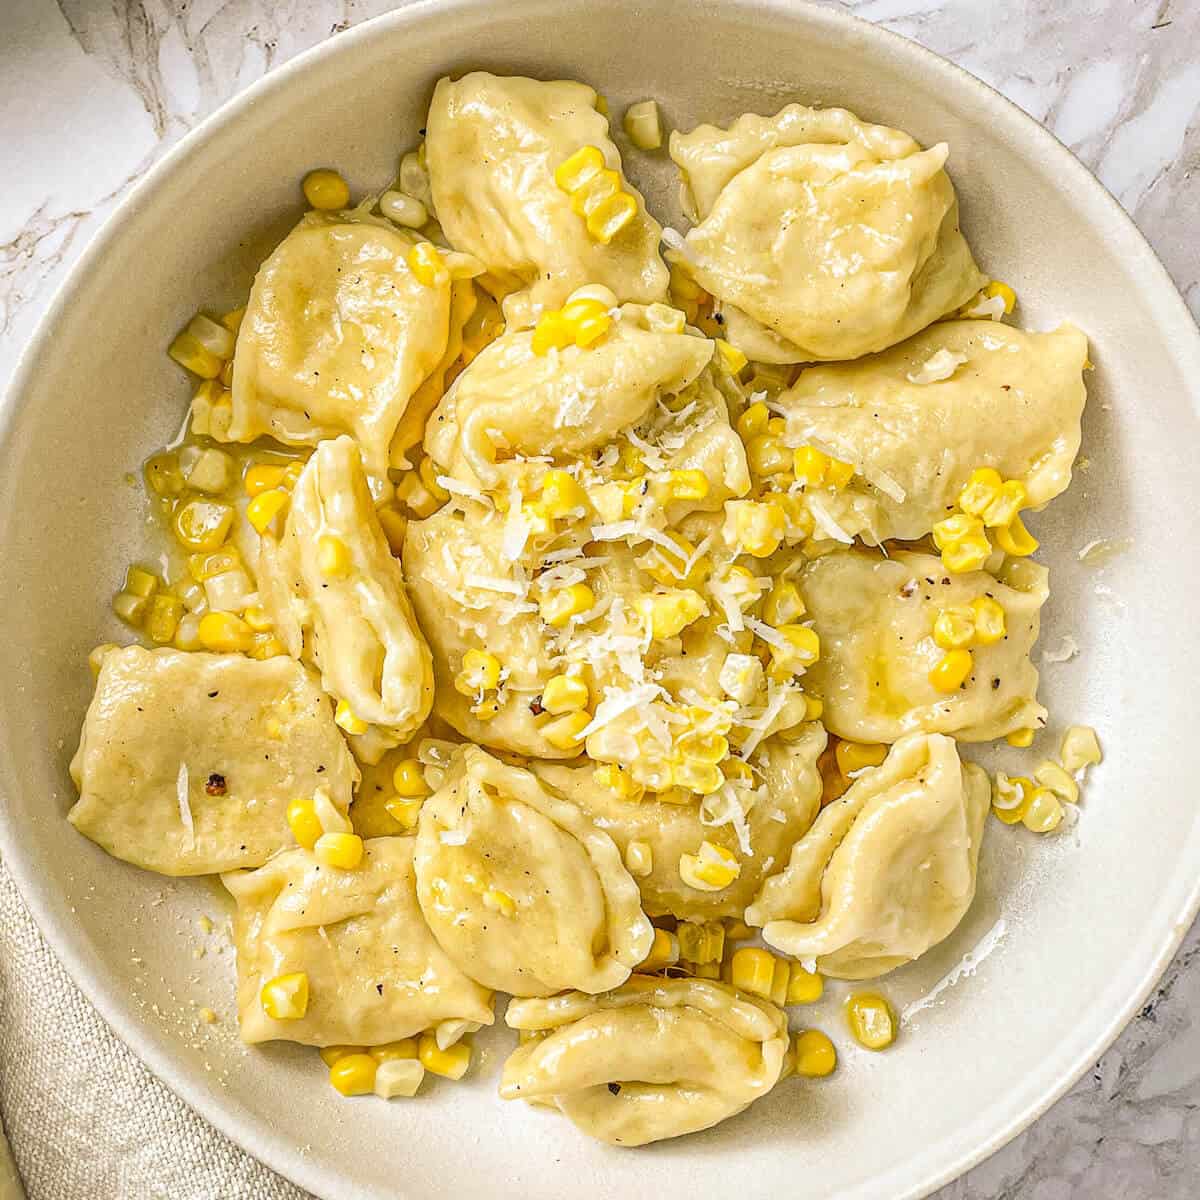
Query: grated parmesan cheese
185	809
938	366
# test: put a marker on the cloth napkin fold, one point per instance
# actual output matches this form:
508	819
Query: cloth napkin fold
85	1119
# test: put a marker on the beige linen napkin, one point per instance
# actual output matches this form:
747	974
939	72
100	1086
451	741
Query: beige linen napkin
85	1119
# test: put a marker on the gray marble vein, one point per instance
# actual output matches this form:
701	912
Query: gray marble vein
110	84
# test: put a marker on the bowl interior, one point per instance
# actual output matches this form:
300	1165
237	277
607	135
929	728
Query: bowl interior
1079	924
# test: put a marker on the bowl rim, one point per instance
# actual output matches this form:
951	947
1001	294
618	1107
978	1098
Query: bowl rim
258	1139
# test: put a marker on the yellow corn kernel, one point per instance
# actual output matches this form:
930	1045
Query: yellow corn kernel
804	987
326	189
981	490
664	952
426	263
193	355
408	778
163	475
225	633
487	709
202	524
784	604
331	1054
291	474
1044	813
686	485
955	529
620	780
265	507
232	320
404	810
813	1054
563	732
871	1020
752	970
952	671
712	869
451	1063
561	495
802	650
680	566
499	902
753	422
333	556
968	555
552	332
1021	739
394	525
1015	539
814	708
853	756
756	528
695	776
610	216
258	619
163	617
304	823
701	942
285	998
345	717
1003	510
810	466
1080	748
731	356
564	694
667	614
266	645
989	620
341	850
262	477
639	859
1011	797
1051	775
996	288
954	627
206	566
839	473
391	1051
416	497
427	472
354	1074
574	172
767	455
480	673
559	606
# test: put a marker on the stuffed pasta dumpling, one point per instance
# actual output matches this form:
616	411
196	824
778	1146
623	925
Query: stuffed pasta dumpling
918	419
337	336
821	236
655	1059
373	971
757	821
338	599
875	617
520	889
187	762
493	146
888	870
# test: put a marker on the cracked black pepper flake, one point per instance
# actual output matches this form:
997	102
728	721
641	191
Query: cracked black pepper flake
215	785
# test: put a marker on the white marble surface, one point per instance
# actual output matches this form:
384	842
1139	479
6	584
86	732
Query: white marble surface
93	91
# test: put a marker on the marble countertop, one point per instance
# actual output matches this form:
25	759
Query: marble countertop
93	91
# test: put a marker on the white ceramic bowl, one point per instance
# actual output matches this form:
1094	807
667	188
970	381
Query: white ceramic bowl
1091	917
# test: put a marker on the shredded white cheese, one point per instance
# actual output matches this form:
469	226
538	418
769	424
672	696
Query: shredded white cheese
823	519
493	583
185	809
938	366
617	702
